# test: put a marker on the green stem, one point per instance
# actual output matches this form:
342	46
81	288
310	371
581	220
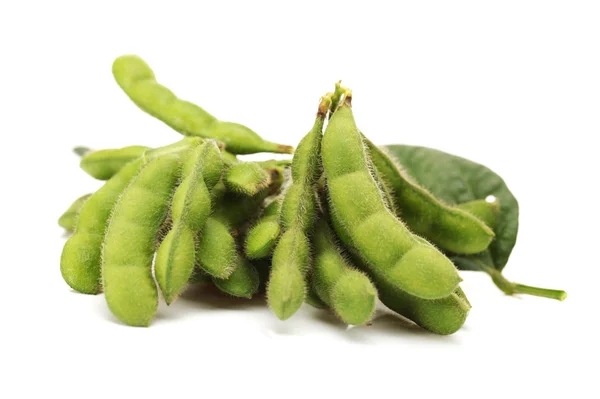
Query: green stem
510	288
543	292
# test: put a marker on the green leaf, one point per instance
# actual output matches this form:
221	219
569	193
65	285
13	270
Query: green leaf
457	180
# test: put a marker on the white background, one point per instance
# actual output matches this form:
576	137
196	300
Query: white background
514	85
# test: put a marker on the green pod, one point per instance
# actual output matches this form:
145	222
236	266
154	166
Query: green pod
287	286
450	228
287	283
80	259
486	211
190	208
137	80
104	164
68	220
263	236
348	292
217	251
442	316
246	178
216	254
243	282
129	246
362	220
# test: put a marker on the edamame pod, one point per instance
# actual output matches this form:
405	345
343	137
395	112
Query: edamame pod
362	220
190	208
486	211
104	164
348	292
80	259
442	316
68	220
137	80
264	234
246	178
286	290
243	282
448	227
128	248
217	248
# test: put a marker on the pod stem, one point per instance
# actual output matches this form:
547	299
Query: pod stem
276	148
510	288
337	96
325	105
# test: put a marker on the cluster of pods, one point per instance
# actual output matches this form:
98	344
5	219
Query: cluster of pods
339	226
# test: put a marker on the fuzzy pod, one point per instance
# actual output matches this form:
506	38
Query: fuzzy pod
450	228
190	208
246	178
287	285
348	291
68	220
291	258
486	211
243	282
81	255
138	81
263	236
442	316
362	220
129	243
104	164
217	252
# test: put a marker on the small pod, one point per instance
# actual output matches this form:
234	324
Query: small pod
246	178
287	286
243	282
190	208
348	291
129	243
80	259
68	220
104	164
137	80
362	220
450	228
263	236
217	252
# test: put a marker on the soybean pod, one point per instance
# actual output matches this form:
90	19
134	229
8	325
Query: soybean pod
264	234
363	222
348	291
190	208
484	210
129	243
246	178
104	164
448	227
287	286
80	259
137	80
